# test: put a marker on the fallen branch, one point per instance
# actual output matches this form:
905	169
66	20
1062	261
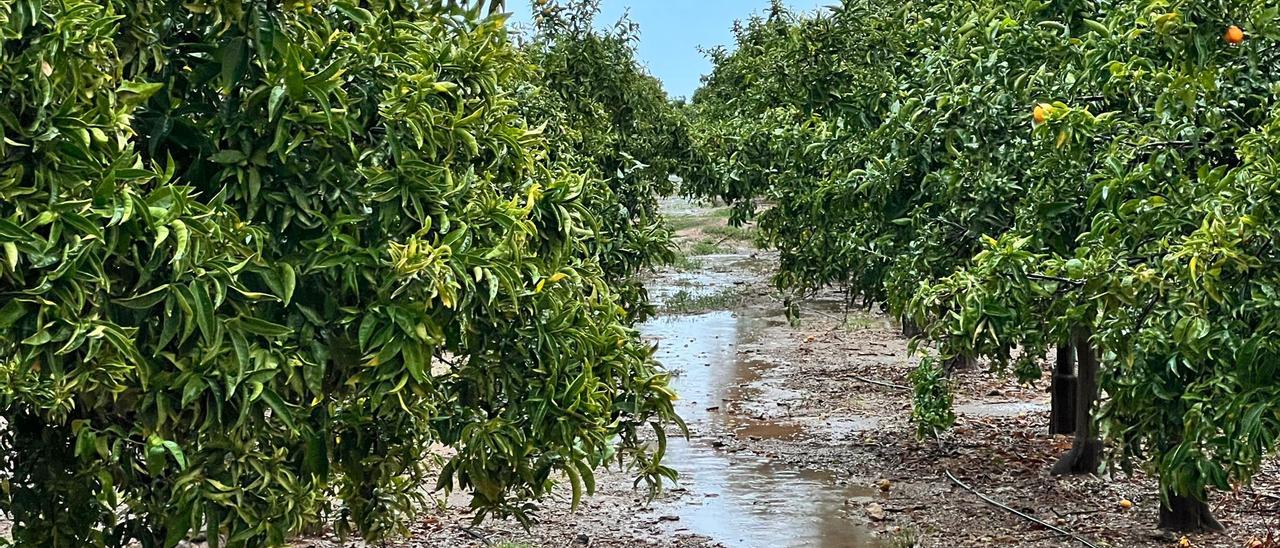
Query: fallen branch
989	500
880	383
1262	495
476	535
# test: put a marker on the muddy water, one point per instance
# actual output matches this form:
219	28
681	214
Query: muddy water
742	499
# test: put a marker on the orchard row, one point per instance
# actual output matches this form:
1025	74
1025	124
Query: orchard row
1093	179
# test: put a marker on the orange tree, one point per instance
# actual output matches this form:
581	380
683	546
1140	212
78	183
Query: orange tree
797	90
606	117
891	177
1162	286
260	258
1125	216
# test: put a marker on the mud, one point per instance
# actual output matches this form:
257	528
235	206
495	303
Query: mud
743	498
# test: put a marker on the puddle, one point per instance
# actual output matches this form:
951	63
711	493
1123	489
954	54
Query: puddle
1001	409
718	273
741	499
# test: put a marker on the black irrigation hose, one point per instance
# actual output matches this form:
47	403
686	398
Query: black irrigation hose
995	503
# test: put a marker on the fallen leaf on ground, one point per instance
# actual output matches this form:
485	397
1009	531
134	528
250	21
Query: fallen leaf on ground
875	511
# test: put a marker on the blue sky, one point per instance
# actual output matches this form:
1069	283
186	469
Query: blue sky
671	31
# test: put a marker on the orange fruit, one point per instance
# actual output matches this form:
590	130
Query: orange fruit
1126	504
1234	35
1041	111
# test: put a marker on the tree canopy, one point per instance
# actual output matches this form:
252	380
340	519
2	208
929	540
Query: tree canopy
1015	176
263	262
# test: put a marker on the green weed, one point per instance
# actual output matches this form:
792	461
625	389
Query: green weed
707	247
684	302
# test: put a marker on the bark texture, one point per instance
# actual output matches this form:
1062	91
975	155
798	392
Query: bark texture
1187	515
1062	414
1086	449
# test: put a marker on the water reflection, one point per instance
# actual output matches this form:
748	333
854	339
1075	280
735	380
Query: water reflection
742	499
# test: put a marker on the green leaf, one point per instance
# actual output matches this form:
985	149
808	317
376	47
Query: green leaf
10	255
228	157
279	409
145	300
40	337
274	102
262	327
575	481
288	282
317	456
415	361
183	237
234	57
132	94
356	13
11	312
178	455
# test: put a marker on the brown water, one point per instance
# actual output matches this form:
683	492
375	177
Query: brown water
742	499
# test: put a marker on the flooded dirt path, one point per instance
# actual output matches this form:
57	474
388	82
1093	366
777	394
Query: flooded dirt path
740	498
707	338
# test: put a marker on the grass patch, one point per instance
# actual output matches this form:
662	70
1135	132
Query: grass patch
707	247
905	538
856	320
685	222
731	232
684	302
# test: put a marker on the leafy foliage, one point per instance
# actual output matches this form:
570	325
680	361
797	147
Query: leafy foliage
931	398
262	261
606	117
1007	173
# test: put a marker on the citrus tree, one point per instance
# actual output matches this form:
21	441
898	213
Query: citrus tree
780	112
268	267
1070	175
606	117
1178	95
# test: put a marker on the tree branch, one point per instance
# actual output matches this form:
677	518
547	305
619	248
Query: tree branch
880	383
1045	278
1171	144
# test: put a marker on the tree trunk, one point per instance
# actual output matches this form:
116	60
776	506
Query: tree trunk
1187	515
960	363
1062	414
910	329
1086	450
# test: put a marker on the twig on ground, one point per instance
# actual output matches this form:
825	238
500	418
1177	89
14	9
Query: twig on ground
1022	515
820	313
476	535
880	383
1262	495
